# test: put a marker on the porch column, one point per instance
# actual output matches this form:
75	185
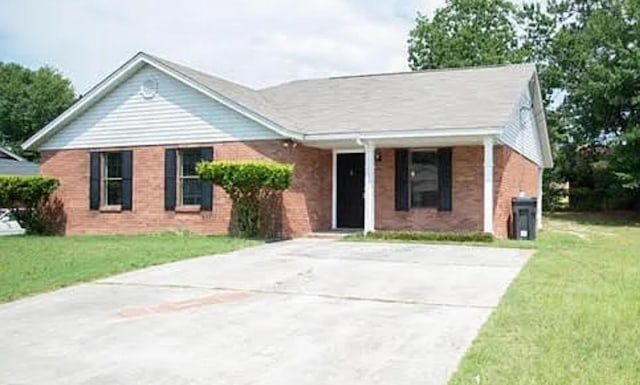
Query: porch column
369	187
488	185
539	211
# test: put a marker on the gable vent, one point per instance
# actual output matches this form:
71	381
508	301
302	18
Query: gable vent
149	88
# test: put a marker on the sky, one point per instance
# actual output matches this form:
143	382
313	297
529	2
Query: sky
253	42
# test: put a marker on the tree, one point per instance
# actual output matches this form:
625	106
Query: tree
596	51
29	99
466	33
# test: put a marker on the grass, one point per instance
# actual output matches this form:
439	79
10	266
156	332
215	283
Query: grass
30	264
571	316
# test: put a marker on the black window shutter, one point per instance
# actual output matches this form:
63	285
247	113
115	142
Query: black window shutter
402	180
94	181
206	203
127	179
444	179
170	179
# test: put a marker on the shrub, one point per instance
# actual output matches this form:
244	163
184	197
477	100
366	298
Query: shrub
249	184
26	197
430	236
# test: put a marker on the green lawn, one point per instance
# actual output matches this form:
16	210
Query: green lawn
573	314
31	264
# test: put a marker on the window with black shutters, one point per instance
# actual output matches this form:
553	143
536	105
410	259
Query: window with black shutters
111	182
189	184
423	177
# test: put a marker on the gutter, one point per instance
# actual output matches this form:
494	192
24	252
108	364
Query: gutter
423	133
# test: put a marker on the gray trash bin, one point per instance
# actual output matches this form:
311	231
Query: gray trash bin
523	218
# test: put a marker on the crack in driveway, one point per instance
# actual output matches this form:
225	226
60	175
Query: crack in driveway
298	293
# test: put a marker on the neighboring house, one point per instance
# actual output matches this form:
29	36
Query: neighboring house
12	164
430	150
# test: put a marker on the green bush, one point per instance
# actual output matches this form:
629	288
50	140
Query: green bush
26	197
430	236
249	184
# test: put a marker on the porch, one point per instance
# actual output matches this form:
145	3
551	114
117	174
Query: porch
440	185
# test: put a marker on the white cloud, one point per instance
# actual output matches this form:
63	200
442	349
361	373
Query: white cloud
250	41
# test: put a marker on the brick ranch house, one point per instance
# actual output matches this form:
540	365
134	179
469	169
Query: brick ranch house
442	150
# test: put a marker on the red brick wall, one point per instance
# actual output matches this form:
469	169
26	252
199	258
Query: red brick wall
466	214
512	173
511	170
307	204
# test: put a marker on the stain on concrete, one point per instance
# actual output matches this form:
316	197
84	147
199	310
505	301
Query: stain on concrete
172	307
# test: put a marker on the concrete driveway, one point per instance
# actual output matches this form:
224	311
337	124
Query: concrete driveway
300	312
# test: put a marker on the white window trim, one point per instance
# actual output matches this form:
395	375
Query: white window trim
180	177
105	178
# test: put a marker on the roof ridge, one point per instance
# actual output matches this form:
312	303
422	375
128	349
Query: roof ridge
199	71
380	74
431	70
364	75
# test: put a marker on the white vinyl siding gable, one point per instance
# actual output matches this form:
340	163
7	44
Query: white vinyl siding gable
521	132
177	114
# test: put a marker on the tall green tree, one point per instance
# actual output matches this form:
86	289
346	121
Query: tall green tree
596	52
466	33
29	99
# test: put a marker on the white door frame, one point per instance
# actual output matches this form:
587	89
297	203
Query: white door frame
334	182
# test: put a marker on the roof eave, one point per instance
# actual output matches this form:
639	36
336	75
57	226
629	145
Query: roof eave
405	134
96	91
543	131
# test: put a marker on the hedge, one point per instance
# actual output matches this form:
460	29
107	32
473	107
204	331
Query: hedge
247	176
431	236
26	197
250	184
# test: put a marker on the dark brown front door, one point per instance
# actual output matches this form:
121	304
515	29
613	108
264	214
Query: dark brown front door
350	190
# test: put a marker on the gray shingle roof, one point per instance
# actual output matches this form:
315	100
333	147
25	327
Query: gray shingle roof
17	167
480	97
464	98
13	164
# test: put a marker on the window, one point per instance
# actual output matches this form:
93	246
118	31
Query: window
111	179
189	185
423	174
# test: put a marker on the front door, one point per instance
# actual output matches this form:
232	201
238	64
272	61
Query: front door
350	190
